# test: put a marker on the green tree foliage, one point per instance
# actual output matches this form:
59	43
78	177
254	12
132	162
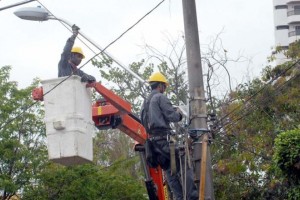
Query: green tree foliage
287	160
287	153
286	156
24	166
84	182
22	148
123	83
113	147
251	119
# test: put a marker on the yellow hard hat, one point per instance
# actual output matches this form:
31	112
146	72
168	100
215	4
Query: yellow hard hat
158	77
77	50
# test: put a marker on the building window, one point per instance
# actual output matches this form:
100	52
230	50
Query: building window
295	11
282	27
281	7
295	32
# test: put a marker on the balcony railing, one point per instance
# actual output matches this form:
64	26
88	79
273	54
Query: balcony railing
294	33
293	12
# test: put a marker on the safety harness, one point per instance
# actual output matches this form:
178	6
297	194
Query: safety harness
155	137
172	154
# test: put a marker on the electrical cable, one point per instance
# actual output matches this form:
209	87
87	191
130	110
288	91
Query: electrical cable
269	97
116	38
250	111
119	161
244	149
278	89
260	90
114	41
67	27
135	23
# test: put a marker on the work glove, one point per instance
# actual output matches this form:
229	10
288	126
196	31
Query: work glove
75	30
88	78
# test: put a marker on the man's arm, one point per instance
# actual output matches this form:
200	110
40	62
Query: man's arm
85	77
66	54
169	112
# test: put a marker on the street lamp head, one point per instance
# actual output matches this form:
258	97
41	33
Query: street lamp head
32	13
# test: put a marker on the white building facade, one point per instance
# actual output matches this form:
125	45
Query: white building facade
287	24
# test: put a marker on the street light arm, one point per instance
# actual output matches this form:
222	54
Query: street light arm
101	49
40	14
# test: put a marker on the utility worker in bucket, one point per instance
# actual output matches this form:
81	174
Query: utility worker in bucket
157	113
71	57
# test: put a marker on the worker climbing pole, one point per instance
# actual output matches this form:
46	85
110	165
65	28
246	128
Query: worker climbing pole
198	116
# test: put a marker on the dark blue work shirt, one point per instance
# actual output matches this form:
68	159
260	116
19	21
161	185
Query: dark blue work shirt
161	112
64	67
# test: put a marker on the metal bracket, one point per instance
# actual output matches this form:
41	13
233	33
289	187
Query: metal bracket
198	116
197	133
198	98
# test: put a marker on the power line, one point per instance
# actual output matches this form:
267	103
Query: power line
252	96
269	97
250	111
114	41
260	90
244	149
119	162
66	27
135	23
278	89
110	56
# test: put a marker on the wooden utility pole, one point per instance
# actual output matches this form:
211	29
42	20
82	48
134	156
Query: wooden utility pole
198	114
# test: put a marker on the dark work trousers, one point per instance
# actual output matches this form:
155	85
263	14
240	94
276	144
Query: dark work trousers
174	180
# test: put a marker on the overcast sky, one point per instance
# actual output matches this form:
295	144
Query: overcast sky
33	48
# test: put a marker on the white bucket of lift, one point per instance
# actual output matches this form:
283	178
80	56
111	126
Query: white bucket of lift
68	118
